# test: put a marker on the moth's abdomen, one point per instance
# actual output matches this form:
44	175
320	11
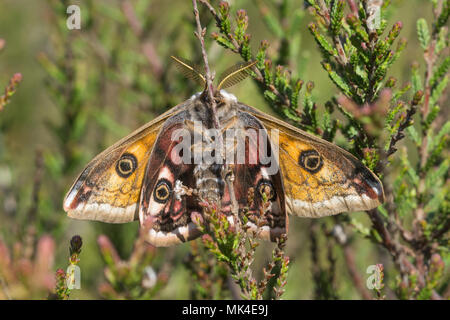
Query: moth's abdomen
209	182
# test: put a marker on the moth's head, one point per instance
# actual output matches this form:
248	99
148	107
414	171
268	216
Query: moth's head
220	96
226	97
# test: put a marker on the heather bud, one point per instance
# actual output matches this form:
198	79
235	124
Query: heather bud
75	244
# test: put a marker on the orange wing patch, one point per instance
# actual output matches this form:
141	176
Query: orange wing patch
101	193
301	184
314	194
119	191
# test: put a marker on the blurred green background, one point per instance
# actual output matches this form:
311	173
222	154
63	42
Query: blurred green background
115	89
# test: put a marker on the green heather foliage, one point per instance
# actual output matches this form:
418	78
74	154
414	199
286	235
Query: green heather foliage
345	70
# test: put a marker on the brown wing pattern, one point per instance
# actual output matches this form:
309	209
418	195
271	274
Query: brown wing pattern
254	177
169	213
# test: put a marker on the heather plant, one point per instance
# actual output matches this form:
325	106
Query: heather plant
10	90
234	245
357	57
210	276
66	281
5	99
26	267
229	240
134	278
344	70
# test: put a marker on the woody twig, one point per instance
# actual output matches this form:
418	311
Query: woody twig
200	34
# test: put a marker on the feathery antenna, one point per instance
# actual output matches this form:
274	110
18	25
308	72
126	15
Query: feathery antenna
228	78
190	70
235	74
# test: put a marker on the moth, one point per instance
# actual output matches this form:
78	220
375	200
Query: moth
147	176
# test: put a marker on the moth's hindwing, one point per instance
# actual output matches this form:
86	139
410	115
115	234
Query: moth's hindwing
169	214
320	179
256	177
